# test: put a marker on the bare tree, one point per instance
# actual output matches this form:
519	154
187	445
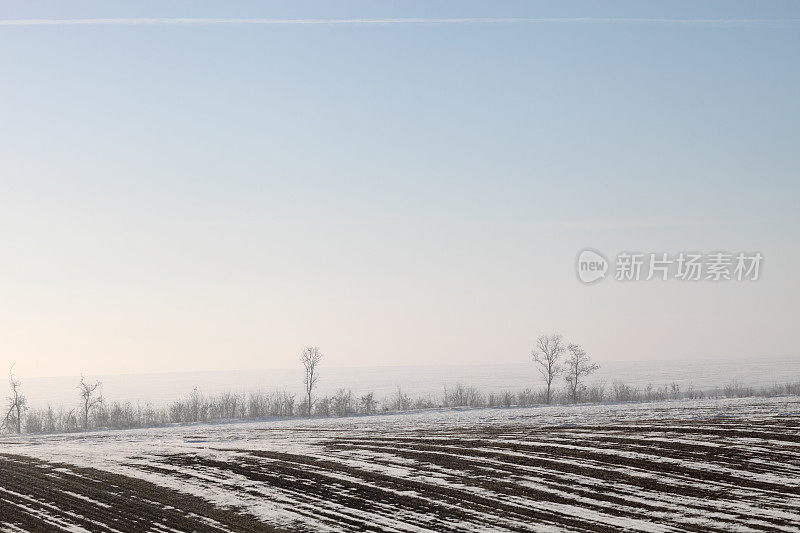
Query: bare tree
88	398
310	358
546	355
579	365
16	404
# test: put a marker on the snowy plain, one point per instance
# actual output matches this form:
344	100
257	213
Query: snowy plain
704	465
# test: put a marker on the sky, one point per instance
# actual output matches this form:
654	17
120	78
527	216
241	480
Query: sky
184	194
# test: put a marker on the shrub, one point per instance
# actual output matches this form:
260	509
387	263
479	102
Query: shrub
625	393
463	396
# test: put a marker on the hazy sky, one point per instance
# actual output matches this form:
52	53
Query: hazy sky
216	196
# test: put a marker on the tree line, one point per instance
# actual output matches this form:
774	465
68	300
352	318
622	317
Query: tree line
554	359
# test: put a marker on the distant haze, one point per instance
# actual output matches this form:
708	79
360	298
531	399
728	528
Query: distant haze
215	197
428	381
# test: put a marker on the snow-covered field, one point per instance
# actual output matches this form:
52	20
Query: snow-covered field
702	465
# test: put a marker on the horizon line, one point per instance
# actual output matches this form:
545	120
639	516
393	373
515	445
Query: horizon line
203	21
680	359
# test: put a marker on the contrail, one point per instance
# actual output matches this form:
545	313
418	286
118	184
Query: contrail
386	21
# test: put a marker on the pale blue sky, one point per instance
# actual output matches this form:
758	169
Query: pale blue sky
217	196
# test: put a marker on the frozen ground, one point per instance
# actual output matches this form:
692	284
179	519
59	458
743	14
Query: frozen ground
702	465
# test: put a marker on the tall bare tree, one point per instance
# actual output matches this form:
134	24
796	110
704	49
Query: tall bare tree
579	365
88	398
546	355
16	404
310	358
